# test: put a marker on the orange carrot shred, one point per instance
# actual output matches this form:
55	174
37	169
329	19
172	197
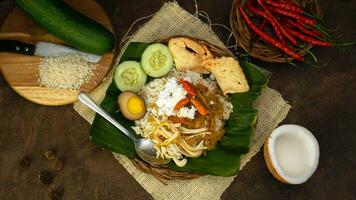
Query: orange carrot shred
199	106
181	104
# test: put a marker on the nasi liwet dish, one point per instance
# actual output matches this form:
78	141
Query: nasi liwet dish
178	96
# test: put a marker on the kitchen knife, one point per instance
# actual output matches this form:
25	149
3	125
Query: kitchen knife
43	49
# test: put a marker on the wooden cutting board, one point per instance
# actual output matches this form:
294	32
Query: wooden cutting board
22	72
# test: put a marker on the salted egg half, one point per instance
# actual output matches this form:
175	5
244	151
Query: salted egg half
291	153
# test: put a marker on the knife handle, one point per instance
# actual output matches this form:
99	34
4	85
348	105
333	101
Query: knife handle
14	46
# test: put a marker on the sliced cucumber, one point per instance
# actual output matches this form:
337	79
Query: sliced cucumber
157	60
129	75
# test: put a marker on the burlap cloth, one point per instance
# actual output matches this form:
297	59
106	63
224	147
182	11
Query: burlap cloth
172	20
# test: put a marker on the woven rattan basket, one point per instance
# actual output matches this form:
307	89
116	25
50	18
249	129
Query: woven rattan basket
262	50
162	172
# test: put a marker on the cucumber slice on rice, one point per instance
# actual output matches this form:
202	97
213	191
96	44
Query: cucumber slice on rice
129	75
157	60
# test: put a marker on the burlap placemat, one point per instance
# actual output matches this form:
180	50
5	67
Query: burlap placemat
172	20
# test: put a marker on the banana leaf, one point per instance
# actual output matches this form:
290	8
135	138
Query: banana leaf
224	160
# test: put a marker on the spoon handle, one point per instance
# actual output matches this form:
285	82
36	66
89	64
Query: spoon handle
88	101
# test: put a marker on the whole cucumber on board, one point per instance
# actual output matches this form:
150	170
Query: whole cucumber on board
70	26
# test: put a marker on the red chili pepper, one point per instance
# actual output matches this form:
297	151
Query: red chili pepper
289	2
285	6
188	87
297	8
271	21
303	28
263	24
268	38
309	39
269	15
300	18
253	36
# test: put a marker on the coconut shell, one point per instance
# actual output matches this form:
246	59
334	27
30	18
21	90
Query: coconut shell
270	165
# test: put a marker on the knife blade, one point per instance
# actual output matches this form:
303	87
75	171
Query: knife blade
43	49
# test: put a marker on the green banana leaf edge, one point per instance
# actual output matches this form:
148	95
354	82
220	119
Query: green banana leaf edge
224	160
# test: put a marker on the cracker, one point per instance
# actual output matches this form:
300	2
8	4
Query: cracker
189	54
228	74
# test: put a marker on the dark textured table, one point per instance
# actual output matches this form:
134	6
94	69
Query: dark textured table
323	100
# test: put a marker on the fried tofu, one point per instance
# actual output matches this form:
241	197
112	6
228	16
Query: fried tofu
228	74
189	54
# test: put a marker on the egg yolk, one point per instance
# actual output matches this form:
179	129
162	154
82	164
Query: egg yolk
135	105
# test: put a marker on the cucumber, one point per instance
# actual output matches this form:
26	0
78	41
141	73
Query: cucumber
129	76
70	26
157	60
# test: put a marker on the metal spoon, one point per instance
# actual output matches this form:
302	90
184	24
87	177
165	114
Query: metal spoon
144	147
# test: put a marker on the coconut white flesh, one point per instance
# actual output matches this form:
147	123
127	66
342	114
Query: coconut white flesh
294	153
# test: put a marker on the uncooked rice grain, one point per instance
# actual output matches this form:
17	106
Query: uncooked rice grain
68	71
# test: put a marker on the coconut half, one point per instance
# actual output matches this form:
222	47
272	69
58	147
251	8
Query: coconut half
291	153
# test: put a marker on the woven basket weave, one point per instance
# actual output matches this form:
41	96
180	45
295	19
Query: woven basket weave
261	49
162	172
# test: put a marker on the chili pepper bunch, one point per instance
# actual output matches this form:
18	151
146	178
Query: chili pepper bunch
290	23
